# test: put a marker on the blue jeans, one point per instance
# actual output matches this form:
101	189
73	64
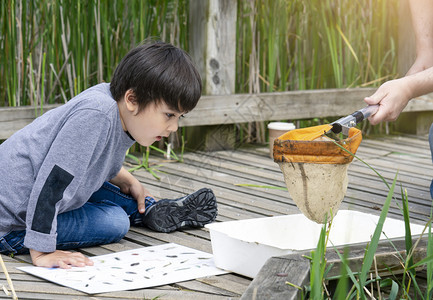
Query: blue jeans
105	218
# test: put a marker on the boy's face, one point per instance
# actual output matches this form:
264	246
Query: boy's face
151	124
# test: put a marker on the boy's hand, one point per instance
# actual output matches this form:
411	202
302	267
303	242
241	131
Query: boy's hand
130	185
139	193
60	259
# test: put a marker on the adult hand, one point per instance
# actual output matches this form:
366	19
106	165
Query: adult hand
392	97
60	259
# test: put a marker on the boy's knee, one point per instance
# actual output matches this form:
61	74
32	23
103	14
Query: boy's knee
122	225
117	224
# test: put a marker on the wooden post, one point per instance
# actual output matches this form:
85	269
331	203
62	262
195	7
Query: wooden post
213	47
271	281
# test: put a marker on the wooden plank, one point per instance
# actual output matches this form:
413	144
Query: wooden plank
23	112
366	188
13	119
225	282
223	190
241	108
270	283
367	192
209	285
219	171
229	206
293	105
370	182
45	290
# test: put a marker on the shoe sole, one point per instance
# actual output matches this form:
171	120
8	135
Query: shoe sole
195	210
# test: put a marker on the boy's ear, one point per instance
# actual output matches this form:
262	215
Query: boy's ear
131	101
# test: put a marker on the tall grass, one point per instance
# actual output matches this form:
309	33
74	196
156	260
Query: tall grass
52	50
317	43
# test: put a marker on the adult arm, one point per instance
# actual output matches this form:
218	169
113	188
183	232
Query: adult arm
422	22
394	95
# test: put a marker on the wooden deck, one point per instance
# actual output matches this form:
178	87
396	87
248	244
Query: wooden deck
222	171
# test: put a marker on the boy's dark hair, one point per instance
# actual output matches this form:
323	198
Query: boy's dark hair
158	71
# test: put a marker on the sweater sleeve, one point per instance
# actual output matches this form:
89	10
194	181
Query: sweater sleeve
78	142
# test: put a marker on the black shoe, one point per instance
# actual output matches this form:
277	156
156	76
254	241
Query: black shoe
196	210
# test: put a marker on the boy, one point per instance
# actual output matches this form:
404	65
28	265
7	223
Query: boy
62	185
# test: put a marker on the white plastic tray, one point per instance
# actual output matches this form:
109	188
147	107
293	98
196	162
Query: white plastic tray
244	246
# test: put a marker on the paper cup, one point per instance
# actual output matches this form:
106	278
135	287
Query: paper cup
275	130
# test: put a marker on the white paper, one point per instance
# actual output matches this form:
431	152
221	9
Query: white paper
133	269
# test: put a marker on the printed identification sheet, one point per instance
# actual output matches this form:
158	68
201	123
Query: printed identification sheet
133	269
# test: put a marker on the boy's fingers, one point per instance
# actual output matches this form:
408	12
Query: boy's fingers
141	205
75	260
63	265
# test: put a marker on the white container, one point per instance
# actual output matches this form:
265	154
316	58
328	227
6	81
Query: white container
275	130
244	246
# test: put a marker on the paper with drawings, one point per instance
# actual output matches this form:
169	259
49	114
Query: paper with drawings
133	269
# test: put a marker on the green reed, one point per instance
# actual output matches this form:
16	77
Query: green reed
282	44
317	44
52	50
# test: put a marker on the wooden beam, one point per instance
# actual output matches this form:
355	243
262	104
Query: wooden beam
13	119
271	281
295	105
242	108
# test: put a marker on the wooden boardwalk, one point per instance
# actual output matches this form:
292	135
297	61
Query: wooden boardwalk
224	172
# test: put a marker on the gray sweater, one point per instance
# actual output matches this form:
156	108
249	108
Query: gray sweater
54	164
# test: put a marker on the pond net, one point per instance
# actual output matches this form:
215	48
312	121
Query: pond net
315	168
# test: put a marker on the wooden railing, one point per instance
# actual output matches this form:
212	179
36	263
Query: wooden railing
241	108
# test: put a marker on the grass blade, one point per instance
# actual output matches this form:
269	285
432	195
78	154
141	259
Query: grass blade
318	265
262	186
369	254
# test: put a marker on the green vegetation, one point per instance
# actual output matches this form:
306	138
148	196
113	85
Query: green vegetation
356	284
52	50
315	44
359	279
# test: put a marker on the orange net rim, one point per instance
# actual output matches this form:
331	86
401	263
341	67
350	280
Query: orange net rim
314	151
